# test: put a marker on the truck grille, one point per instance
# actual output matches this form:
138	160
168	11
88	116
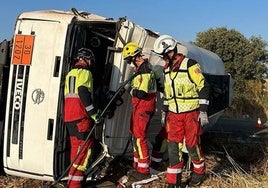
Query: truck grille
19	85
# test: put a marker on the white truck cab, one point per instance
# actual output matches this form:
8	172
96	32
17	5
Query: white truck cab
42	51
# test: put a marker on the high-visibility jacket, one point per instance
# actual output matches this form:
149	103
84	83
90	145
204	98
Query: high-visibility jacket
78	94
144	87
185	87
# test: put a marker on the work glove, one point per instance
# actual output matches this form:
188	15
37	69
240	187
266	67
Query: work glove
163	118
203	118
95	117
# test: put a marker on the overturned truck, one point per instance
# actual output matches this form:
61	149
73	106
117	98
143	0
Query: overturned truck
35	62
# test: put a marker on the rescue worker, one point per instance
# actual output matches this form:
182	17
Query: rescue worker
186	94
80	115
143	90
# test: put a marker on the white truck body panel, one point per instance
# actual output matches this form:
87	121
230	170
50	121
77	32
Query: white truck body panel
210	62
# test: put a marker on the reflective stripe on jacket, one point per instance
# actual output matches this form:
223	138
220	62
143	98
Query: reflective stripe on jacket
182	86
145	82
74	107
145	87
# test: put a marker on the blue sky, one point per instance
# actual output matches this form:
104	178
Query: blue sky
182	19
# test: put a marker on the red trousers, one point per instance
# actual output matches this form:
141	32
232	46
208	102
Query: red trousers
183	125
179	127
139	123
81	150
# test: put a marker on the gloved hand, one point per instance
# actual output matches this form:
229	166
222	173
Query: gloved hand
203	118
95	118
163	118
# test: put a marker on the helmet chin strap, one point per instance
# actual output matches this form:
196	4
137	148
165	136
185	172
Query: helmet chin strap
171	60
88	66
132	65
134	62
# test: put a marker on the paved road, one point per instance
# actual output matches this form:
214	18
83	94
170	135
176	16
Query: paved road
244	129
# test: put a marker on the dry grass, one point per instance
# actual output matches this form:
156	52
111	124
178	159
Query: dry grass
18	182
223	171
235	176
228	177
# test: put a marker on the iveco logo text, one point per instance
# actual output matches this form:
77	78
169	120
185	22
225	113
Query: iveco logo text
18	94
38	96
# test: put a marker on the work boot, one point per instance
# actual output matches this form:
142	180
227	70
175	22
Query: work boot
196	179
183	185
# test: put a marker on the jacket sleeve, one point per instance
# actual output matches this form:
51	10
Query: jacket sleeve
85	92
86	98
202	85
140	86
139	93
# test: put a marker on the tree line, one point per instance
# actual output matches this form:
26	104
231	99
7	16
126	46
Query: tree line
246	60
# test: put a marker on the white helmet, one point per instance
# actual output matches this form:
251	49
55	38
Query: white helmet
164	44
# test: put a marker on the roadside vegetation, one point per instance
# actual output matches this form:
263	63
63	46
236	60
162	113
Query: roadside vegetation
246	60
232	165
244	165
